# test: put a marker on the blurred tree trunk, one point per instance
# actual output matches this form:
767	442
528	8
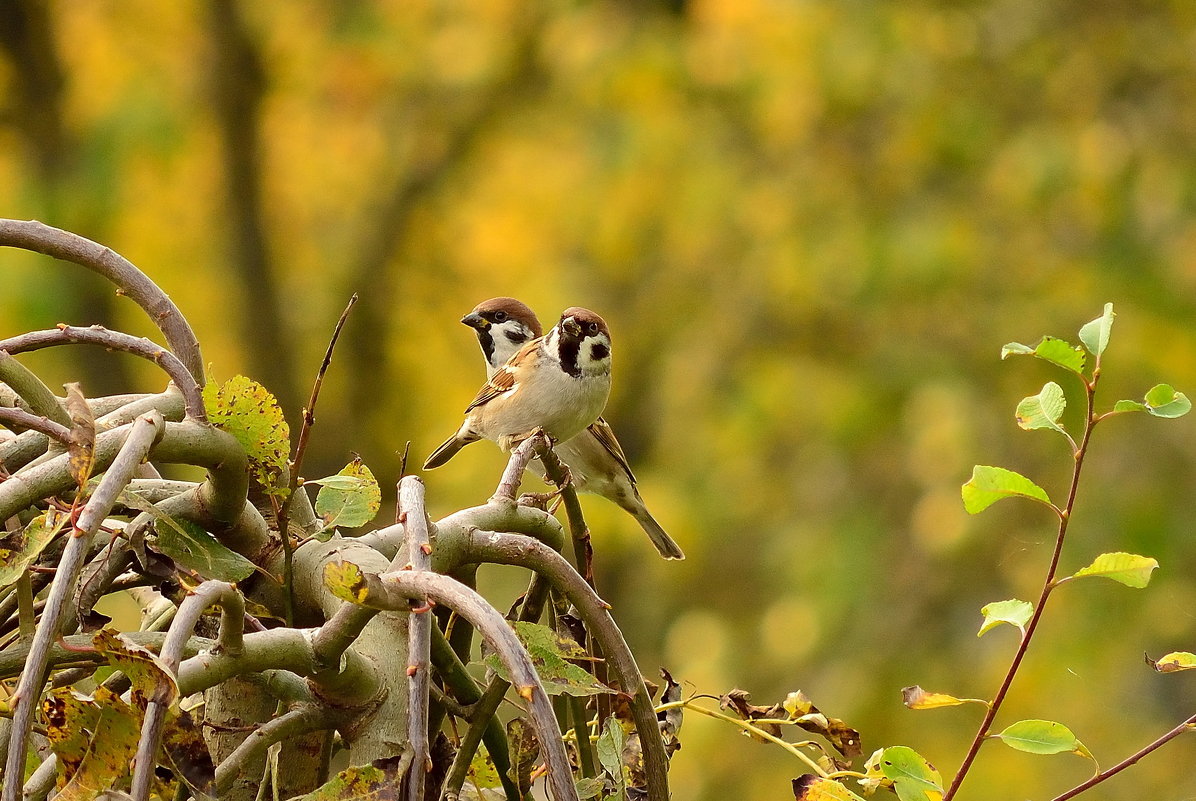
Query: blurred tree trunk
238	84
38	88
375	270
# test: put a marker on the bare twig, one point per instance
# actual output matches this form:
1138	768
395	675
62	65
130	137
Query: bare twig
583	553
138	441
309	412
231	626
115	340
515	549
483	719
419	634
13	659
512	476
130	281
42	781
302	720
1187	726
222	495
391	591
31	445
283	513
19	418
466	692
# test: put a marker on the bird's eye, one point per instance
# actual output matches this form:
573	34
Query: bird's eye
592	328
500	316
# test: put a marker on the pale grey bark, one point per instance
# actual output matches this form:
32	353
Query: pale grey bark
116	340
133	450
36	236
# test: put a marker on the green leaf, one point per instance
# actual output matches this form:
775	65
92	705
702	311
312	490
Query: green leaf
1163	401
195	549
373	782
341	482
589	788
482	772
1042	410
1013	612
990	484
1061	353
548	652
1125	568
1174	662
21	548
1042	737
346	581
913	777
247	410
1056	351
525	750
351	498
1129	406
610	750
1016	349
1095	335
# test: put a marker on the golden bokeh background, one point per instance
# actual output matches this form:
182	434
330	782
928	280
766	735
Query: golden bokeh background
811	225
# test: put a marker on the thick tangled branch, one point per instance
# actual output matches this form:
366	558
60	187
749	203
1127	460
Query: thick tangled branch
133	450
115	340
350	670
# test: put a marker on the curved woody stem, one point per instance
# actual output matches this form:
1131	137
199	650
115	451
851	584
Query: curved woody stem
130	281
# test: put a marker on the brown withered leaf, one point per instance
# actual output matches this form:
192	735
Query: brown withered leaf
802	711
844	738
82	445
91	621
1173	662
573	626
183	742
68	717
739	702
152	680
670	719
100	738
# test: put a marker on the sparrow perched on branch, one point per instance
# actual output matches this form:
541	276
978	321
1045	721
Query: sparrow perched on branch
503	326
594	457
558	383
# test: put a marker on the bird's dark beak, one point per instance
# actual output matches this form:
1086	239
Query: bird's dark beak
571	327
475	320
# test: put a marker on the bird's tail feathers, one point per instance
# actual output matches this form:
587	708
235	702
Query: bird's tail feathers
665	544
449	448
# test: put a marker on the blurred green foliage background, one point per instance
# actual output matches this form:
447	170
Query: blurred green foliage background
811	225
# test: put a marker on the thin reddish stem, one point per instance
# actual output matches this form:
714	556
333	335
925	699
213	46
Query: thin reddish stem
1047	586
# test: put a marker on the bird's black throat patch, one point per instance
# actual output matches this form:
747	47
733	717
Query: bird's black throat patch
487	343
568	349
